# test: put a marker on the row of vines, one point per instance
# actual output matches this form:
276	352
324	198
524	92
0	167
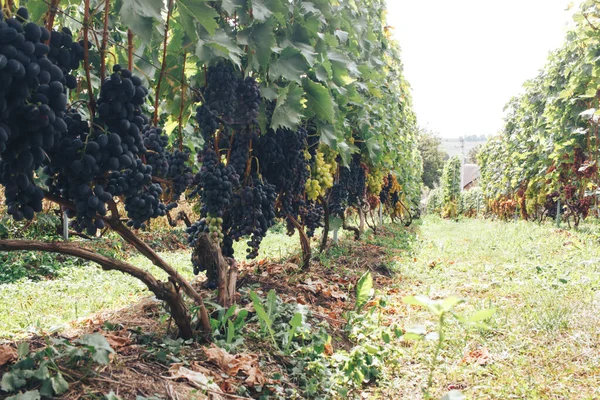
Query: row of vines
253	111
545	161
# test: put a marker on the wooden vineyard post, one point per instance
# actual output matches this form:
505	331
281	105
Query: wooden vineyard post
558	213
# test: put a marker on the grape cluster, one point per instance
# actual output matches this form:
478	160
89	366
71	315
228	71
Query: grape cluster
282	163
170	165
249	99
254	214
179	173
321	179
220	92
354	180
156	143
216	182
119	108
32	106
66	53
338	200
312	215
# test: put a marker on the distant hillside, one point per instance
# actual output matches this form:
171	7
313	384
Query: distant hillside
453	146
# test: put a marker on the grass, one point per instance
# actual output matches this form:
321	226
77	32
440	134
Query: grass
543	282
77	292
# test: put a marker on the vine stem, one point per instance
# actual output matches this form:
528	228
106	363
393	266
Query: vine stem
164	61
52	9
104	41
180	136
86	58
438	348
129	50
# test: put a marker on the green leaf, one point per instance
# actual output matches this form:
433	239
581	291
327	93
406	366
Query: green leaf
450	302
230	331
13	380
419	300
219	45
271	303
59	384
482	315
23	349
28	395
201	12
261	40
289	107
318	98
100	347
262	315
260	11
240	320
139	16
364	290
231	5
46	388
295	323
290	65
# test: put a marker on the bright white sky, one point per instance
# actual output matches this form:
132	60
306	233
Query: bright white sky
465	59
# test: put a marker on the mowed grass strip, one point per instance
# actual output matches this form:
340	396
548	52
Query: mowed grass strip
543	341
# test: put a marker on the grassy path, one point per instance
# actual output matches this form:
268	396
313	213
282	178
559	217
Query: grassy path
545	336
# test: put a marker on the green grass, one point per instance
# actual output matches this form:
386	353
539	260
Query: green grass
78	292
543	341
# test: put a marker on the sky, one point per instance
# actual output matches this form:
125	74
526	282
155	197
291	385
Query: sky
465	59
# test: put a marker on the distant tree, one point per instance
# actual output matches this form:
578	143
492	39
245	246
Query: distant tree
433	157
472	155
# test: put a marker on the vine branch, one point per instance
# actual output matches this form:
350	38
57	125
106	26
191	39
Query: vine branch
164	61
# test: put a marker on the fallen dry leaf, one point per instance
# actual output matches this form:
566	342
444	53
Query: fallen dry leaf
478	356
115	341
255	377
233	364
219	356
328	349
196	379
7	354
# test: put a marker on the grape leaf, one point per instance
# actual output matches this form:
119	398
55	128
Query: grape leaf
319	99
139	16
199	11
289	107
290	65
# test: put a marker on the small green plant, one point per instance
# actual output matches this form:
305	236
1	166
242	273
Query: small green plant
227	327
442	309
41	369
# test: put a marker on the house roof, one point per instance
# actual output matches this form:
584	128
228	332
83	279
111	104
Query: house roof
470	173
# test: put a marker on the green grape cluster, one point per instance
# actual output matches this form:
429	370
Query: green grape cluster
322	175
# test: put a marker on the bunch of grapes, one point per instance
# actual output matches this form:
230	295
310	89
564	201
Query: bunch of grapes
248	101
375	181
253	213
311	215
354	180
179	173
220	92
32	106
156	142
282	163
66	53
338	200
119	108
322	174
